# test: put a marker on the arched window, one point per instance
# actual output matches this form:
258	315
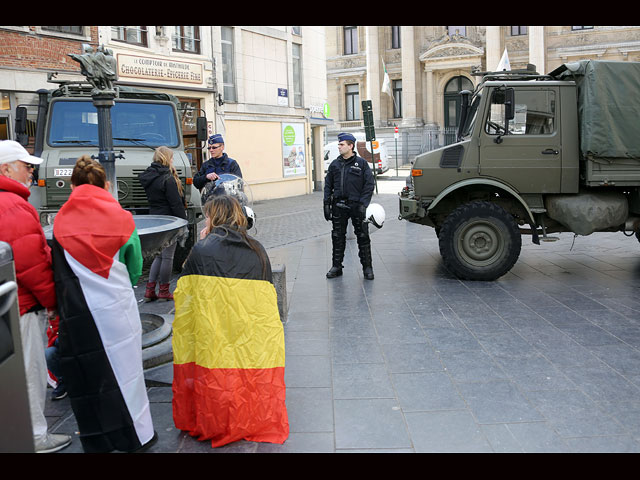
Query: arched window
452	99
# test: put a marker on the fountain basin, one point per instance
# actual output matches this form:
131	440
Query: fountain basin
155	231
158	231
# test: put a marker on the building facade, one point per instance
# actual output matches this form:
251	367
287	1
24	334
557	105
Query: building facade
427	67
262	88
273	83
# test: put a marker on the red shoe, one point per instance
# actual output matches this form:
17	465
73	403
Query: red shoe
164	293
150	294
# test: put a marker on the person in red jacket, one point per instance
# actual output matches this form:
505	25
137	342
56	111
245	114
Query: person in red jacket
20	228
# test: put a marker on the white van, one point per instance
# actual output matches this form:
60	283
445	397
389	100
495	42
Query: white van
364	150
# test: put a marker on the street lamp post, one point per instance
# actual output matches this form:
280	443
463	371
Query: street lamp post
106	157
99	68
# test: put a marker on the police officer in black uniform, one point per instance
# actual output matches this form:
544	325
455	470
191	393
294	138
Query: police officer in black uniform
348	187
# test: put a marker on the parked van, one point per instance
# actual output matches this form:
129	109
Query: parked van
363	149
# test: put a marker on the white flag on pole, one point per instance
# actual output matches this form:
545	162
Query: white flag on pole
504	62
386	84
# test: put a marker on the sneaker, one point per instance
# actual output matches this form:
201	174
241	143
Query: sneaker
59	392
52	442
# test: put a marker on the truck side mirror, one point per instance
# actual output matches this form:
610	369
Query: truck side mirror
201	129
509	105
465	96
21	126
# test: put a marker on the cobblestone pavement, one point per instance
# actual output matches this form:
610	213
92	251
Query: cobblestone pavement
545	359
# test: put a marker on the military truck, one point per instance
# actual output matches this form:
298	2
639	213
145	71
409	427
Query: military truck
536	154
67	127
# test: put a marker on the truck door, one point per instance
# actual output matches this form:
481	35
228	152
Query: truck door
528	155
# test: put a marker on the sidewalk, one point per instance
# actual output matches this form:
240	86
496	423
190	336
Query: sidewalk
546	359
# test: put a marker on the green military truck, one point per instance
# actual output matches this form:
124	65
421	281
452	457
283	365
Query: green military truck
67	127
536	154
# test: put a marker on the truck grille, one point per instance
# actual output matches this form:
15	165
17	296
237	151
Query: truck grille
452	157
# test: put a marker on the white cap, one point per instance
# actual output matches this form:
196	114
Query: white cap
10	151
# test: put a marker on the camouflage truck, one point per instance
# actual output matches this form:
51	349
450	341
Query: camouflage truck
67	127
536	154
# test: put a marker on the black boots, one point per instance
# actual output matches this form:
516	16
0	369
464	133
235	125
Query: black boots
364	252
367	272
334	272
339	244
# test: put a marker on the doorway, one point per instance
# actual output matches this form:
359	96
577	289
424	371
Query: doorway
452	100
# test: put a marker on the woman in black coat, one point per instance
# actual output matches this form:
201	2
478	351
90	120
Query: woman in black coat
166	197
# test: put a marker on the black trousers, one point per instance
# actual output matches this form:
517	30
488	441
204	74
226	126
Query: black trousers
340	218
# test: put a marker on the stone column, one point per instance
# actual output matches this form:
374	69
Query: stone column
537	48
494	47
430	95
373	72
409	78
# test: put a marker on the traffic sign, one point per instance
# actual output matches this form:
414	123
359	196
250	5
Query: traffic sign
367	115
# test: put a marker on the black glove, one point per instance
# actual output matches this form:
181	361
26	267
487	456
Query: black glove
327	211
358	211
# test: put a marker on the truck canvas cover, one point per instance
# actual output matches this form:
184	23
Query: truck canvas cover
608	106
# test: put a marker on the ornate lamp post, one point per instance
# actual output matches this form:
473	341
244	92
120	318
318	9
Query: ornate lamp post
101	72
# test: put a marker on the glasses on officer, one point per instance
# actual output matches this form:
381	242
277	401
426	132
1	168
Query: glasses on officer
213	147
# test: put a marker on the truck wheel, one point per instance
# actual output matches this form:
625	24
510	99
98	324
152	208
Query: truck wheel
479	241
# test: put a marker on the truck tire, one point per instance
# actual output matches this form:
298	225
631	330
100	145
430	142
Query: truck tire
479	241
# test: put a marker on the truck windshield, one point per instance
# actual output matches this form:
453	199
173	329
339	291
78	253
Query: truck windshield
76	122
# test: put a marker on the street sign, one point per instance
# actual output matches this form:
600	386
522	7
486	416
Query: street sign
367	115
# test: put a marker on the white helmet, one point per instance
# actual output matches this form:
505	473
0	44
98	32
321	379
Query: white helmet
375	215
251	216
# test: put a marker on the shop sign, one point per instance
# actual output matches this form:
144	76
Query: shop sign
149	68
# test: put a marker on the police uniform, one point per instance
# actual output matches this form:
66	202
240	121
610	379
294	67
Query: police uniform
348	187
221	165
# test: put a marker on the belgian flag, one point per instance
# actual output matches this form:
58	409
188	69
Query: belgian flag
228	345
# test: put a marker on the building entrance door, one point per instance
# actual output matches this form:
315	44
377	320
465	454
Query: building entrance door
452	100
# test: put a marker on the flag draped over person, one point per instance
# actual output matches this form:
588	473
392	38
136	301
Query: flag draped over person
228	345
96	259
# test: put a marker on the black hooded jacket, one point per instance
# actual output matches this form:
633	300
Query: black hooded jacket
162	191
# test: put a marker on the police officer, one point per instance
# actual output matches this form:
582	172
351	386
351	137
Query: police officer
348	187
218	164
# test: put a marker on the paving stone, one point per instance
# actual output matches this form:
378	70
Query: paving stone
370	423
446	432
498	402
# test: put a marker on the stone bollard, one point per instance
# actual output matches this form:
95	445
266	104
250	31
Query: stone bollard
279	272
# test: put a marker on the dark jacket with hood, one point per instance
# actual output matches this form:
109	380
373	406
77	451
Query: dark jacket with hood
162	191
